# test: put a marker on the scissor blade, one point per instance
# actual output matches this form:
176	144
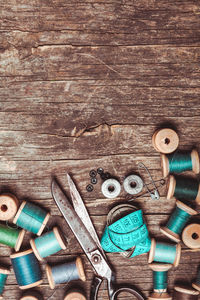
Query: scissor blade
81	210
78	228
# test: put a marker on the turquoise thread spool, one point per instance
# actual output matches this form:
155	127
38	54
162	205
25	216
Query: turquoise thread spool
179	162
27	269
165	253
160	281
183	188
3	277
177	221
196	284
65	272
11	237
47	244
31	217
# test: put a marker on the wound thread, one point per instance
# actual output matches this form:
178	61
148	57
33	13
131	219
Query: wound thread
11	237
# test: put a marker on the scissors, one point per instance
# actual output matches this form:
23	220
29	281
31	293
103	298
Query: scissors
81	225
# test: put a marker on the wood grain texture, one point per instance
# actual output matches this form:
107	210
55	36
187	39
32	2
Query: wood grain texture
84	85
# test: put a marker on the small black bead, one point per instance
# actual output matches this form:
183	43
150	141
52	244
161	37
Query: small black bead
107	175
100	171
103	177
93	173
93	180
89	187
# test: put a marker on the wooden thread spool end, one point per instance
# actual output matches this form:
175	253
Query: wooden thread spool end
152	253
20	239
191	236
184	290
29	297
196	286
195	161
165	140
44	224
164	165
8	206
34	284
198	196
75	295
171	185
159	296
4	271
159	267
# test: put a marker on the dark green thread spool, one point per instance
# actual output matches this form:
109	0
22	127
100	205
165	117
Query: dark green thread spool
179	162
177	221
164	253
11	237
160	281
183	188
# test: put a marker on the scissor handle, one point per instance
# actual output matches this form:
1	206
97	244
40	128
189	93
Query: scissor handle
127	290
96	282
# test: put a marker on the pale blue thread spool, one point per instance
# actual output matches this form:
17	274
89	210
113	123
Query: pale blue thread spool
165	253
159	280
177	221
66	272
31	217
47	244
3	277
27	269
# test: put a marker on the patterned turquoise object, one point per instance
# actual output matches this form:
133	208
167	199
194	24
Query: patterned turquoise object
31	217
3	278
160	280
27	269
165	253
180	162
178	220
47	244
127	232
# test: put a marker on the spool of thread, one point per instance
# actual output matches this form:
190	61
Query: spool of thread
177	221
48	244
179	162
3	277
196	284
11	237
31	217
191	236
160	281
183	188
74	295
32	295
8	206
183	293
165	140
65	272
27	269
164	253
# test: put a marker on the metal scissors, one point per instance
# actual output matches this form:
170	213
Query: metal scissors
81	225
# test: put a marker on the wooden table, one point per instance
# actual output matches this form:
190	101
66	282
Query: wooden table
84	85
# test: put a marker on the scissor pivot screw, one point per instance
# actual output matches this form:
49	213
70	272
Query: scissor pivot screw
96	258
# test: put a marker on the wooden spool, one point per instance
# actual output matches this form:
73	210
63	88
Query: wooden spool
8	206
171	189
188	291
160	296
194	158
152	253
165	140
191	236
159	267
172	235
74	295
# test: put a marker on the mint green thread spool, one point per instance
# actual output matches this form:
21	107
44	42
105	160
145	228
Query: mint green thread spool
183	188
11	237
31	217
48	244
164	253
177	221
3	277
159	281
179	162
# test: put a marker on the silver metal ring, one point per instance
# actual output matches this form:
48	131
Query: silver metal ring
111	188
133	184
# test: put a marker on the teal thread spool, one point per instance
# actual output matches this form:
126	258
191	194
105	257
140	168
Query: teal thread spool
3	277
31	217
47	244
11	237
179	162
159	281
196	284
177	221
164	253
65	272
183	188
27	269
